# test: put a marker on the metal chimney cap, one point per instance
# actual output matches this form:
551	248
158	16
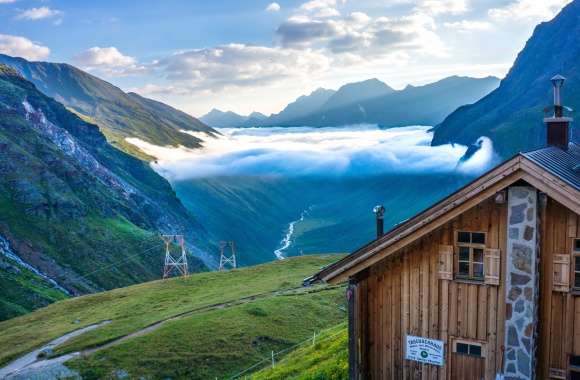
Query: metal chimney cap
558	80
379	210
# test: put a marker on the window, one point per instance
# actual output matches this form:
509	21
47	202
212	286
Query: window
574	367
468	349
576	264
470	253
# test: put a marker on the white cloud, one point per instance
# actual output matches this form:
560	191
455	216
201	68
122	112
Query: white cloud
468	25
108	60
436	7
273	7
534	10
22	47
41	13
322	8
349	151
239	65
362	35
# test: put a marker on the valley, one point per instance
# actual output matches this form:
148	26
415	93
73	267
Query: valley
281	192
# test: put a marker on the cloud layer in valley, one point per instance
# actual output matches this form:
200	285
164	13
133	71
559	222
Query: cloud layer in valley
357	151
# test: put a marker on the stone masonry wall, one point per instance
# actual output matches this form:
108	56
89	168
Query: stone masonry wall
521	283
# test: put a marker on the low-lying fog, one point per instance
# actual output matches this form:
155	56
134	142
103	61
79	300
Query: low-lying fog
303	151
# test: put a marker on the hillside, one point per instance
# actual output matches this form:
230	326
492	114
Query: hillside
71	205
326	359
422	105
512	114
118	114
205	326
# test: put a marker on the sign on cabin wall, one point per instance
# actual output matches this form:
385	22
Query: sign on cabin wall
423	350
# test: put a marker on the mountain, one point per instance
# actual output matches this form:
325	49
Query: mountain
421	105
304	105
357	92
214	325
118	114
220	119
76	214
512	114
229	119
257	116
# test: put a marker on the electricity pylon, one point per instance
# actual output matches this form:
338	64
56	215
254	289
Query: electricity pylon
225	259
172	262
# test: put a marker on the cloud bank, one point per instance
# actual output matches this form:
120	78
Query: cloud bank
22	47
322	152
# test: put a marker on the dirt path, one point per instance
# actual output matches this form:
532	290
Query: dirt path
53	368
31	360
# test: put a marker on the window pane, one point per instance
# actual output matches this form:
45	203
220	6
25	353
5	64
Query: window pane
474	350
577	245
464	237
577	261
575	360
462	348
576	280
478	238
478	270
464	268
463	254
478	255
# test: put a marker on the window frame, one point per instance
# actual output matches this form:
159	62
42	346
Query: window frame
574	264
471	261
470	343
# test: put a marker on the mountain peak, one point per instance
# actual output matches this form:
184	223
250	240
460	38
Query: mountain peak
512	115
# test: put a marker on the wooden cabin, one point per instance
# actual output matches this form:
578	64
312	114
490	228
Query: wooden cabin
483	285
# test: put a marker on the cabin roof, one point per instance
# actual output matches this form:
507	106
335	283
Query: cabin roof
563	164
550	170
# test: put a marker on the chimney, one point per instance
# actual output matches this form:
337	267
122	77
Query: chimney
379	211
558	125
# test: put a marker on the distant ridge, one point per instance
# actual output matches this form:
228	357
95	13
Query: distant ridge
118	114
368	102
374	102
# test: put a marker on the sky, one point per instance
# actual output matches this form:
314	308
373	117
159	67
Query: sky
255	55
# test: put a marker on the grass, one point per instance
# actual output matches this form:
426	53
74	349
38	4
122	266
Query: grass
138	306
220	343
327	359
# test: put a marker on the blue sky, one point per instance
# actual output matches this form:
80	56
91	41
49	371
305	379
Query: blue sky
259	55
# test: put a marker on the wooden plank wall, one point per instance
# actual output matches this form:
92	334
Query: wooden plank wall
405	296
559	311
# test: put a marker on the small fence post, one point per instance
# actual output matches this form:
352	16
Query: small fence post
273	361
314	339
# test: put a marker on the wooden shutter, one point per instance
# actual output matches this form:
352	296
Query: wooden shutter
561	273
446	262
491	266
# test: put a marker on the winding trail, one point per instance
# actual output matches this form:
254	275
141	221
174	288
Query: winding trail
32	359
53	368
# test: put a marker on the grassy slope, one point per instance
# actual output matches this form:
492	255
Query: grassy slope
22	290
117	113
239	335
61	218
327	359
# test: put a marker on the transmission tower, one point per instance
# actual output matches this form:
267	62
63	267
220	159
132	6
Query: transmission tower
172	261
226	260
